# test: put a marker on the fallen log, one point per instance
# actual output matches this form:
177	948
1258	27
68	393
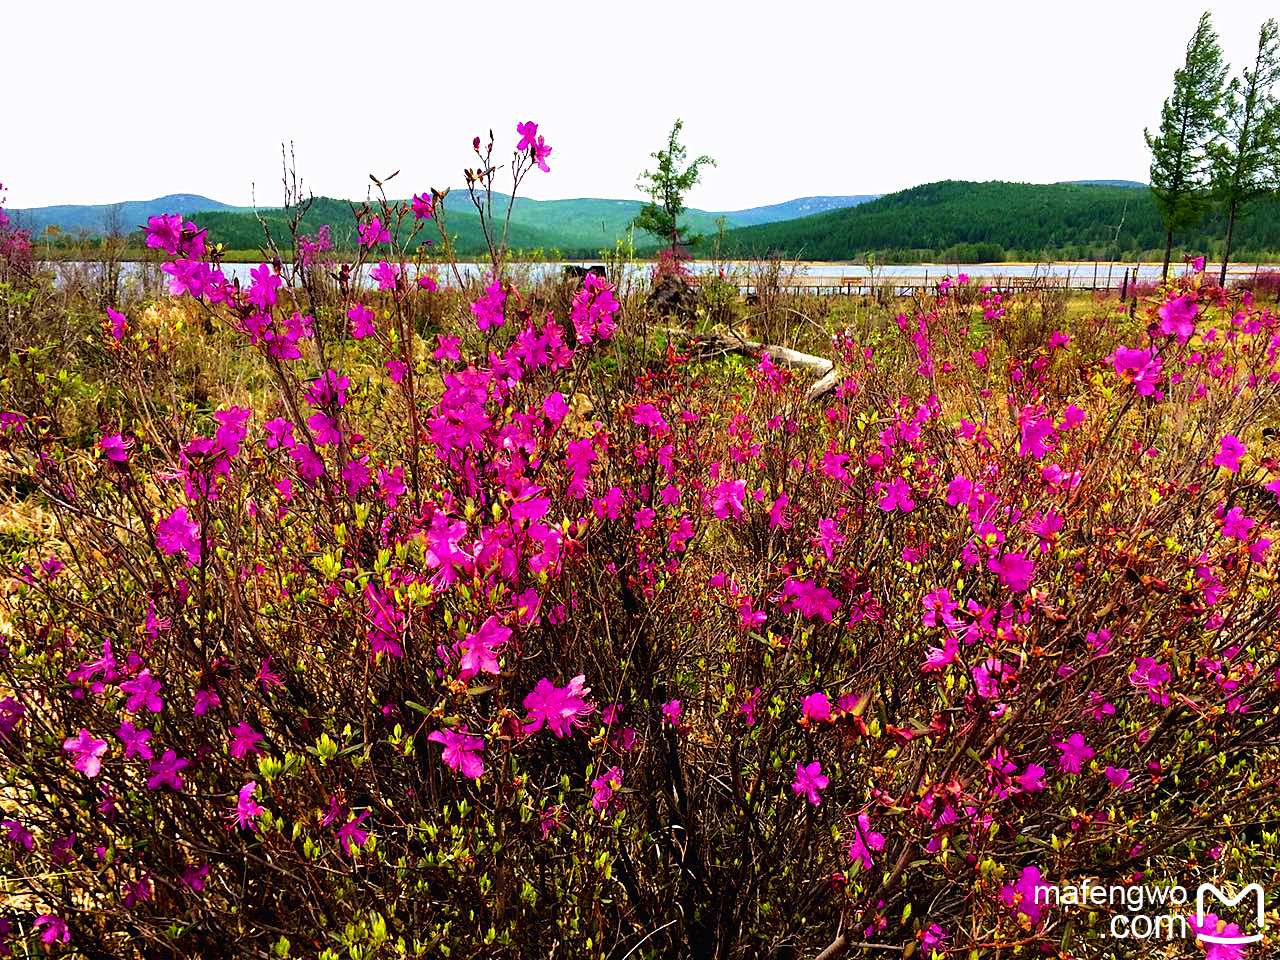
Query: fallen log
829	376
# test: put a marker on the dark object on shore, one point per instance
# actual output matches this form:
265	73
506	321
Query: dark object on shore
674	296
573	271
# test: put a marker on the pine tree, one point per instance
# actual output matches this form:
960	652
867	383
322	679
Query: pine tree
1244	162
1189	124
666	188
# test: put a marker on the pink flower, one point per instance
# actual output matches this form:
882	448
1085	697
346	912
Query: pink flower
560	708
1236	525
1230	450
528	135
55	928
897	495
1118	777
386	623
1015	570
372	233
540	153
828	536
88	751
119	323
1021	896
809	780
144	692
1214	926
244	740
671	712
1152	676
178	533
350	835
325	428
206	700
115	447
808	598
446	348
387	275
815	708
1178	316
1037	432
135	741
864	841
361	318
479	650
1074	753
488	310
606	787
749	706
1140	367
461	751
423	206
593	309
1032	779
245	809
165	771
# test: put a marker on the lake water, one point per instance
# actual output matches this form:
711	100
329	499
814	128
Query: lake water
1080	274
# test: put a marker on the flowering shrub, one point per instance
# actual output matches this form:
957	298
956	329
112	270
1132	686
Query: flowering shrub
420	660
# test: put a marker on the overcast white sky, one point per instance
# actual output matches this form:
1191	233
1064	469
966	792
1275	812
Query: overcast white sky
133	100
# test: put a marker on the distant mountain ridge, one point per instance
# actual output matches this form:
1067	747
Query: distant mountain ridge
97	218
588	222
1107	183
794	209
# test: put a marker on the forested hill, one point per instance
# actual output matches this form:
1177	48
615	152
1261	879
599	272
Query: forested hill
965	221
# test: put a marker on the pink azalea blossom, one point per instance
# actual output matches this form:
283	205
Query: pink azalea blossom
88	751
135	741
144	692
461	751
165	771
244	740
528	135
372	233
488	310
55	928
205	700
897	495
1177	317
560	708
361	318
864	841
671	712
1151	676
350	836
809	780
1015	570
1140	367
178	533
606	787
245	809
119	323
1074	753
1230	450
1020	896
815	708
423	206
480	649
115	447
387	275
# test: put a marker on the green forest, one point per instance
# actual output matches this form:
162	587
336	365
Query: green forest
968	222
